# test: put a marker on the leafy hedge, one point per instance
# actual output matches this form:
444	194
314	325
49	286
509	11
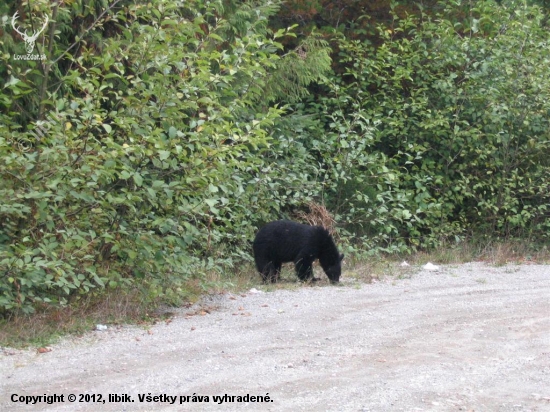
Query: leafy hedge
442	131
156	164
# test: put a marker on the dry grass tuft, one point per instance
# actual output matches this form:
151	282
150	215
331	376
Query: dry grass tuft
318	215
502	253
493	252
49	323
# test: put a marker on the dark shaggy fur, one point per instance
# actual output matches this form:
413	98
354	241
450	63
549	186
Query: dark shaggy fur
285	241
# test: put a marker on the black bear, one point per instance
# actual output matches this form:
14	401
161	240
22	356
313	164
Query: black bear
285	241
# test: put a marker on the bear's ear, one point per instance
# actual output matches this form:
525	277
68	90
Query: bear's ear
341	257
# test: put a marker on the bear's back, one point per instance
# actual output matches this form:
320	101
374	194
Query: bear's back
283	240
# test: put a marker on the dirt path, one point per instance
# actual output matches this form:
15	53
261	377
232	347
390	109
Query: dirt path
470	337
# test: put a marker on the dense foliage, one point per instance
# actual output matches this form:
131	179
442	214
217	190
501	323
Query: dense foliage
156	136
446	125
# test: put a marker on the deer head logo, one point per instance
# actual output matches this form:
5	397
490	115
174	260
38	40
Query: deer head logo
29	40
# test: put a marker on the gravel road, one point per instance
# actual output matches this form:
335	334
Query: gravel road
470	337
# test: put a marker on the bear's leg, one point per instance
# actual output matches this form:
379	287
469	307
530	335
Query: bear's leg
269	270
265	268
276	274
304	271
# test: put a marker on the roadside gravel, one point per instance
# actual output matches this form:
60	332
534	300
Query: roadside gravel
469	337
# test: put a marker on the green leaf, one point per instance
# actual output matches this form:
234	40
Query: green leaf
138	179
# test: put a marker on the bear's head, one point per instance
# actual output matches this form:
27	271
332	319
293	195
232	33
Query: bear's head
334	271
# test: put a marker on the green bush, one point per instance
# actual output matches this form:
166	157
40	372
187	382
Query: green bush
440	131
156	163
